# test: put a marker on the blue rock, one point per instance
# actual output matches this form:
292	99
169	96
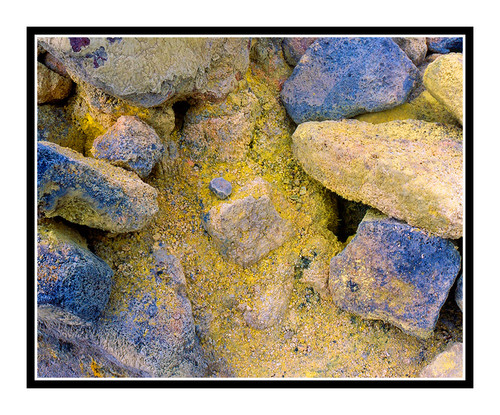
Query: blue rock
130	143
220	187
91	192
69	275
394	272
343	77
459	293
444	44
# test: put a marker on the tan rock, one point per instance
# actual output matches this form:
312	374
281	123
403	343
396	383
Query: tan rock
448	364
50	85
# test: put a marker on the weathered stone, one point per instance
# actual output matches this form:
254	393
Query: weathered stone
267	55
444	79
414	47
221	132
131	144
51	86
445	44
150	71
448	364
54	64
295	47
68	274
393	272
248	227
91	192
66	349
343	77
410	170
459	293
220	187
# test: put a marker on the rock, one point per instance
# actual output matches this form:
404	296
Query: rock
150	71
444	79
272	296
295	47
266	54
91	192
54	64
248	227
220	187
221	132
414	47
444	44
410	170
149	324
55	124
448	364
50	85
130	144
66	349
459	293
68	274
343	77
393	272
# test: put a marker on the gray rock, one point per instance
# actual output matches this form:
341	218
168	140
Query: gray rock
459	293
249	227
131	144
220	187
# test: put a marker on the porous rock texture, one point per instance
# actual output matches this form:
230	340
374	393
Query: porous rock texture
444	79
343	77
91	192
394	272
148	71
410	170
131	144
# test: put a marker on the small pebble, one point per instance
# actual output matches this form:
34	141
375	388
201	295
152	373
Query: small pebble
220	187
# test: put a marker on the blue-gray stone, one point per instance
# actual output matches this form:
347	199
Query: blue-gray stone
459	293
444	44
342	77
220	187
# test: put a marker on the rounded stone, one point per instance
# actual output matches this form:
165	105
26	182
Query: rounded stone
220	187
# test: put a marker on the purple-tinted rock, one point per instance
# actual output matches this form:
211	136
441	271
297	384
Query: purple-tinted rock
394	272
220	187
295	47
342	77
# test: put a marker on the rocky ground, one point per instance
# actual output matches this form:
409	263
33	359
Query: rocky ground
251	208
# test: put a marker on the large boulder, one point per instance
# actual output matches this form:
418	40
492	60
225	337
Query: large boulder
148	71
393	272
130	143
51	86
410	170
448	364
444	79
91	192
68	274
248	227
343	77
445	44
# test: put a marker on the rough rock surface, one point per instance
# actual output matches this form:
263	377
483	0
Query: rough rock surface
65	349
150	71
459	293
448	364
68	274
130	144
248	227
444	79
343	77
51	86
223	131
414	47
295	47
220	187
410	170
396	273
445	44
91	192
266	55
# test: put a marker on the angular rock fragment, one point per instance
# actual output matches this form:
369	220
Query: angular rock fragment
51	86
68	274
130	144
248	227
91	192
448	364
410	170
444	79
343	77
220	187
394	272
150	71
